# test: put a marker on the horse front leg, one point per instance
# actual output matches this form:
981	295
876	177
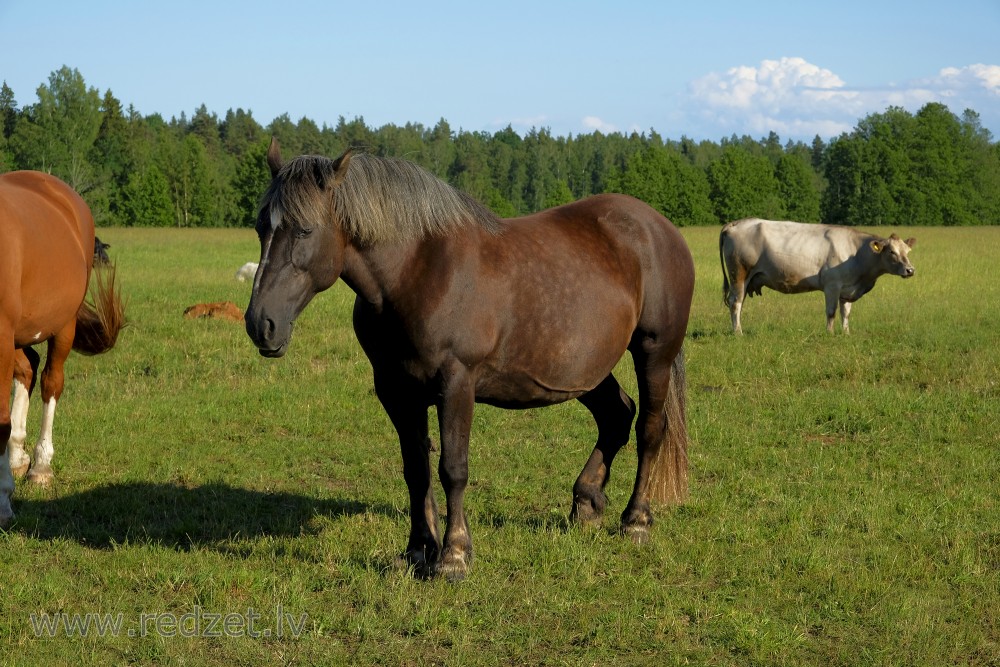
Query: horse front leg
6	478
409	418
25	368
455	408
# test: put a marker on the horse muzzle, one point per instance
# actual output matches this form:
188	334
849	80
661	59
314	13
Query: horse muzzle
270	338
273	353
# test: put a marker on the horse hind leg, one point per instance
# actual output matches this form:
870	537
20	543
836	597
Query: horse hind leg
25	368
613	411
661	437
53	380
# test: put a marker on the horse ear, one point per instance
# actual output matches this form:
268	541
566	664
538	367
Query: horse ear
340	166
274	157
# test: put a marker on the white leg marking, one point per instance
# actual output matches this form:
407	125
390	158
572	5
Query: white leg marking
41	464
43	448
18	429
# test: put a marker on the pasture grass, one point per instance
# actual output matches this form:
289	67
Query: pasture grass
843	504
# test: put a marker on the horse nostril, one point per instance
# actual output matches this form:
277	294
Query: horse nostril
268	328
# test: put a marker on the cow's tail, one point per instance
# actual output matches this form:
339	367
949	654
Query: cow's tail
98	323
668	477
725	270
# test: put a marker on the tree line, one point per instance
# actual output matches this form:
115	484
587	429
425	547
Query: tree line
895	168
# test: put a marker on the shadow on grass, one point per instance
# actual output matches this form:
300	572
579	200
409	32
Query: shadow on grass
177	516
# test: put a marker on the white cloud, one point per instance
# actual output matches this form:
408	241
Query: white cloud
952	81
798	99
593	123
775	83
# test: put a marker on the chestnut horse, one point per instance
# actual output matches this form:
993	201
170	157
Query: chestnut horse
456	306
48	239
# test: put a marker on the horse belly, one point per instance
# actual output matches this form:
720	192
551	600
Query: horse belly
543	365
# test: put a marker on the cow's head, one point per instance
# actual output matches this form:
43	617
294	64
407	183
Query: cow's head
893	254
101	252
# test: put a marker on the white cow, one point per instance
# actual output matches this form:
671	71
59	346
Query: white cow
246	272
793	257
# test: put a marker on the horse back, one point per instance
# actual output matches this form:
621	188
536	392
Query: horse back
643	250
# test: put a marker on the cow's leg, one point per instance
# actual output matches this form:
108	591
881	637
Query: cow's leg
737	294
613	411
845	312
734	315
25	367
52	387
832	299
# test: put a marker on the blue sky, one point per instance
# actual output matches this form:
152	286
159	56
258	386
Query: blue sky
705	69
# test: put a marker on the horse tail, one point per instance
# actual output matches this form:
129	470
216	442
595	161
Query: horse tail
98	323
725	270
668	476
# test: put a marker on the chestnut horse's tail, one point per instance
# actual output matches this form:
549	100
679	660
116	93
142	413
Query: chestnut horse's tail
98	323
668	476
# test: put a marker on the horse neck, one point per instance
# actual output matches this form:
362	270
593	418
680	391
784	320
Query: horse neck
376	272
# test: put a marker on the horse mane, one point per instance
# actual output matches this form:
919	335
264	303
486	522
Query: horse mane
378	200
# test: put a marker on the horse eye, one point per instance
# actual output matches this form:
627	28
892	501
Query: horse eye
303	232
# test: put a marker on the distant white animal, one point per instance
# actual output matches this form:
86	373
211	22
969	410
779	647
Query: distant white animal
792	257
246	272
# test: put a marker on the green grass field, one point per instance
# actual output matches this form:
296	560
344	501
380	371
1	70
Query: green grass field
843	504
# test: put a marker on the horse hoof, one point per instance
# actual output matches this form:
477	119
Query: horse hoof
415	562
19	471
453	568
42	478
638	534
452	573
585	516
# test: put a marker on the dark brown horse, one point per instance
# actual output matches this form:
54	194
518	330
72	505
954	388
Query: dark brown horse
48	242
455	306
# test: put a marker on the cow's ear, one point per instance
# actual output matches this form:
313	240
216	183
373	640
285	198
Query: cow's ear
877	245
910	241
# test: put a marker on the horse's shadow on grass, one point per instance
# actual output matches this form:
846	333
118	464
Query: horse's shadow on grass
177	516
